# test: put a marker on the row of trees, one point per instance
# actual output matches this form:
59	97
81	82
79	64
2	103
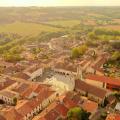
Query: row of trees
13	54
103	34
115	59
46	36
107	32
9	57
116	56
8	37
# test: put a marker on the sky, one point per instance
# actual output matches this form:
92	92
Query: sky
59	3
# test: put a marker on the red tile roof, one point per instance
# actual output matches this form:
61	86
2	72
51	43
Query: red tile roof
7	64
66	66
14	68
2	118
52	115
7	93
12	114
77	99
34	68
90	106
99	63
44	95
36	88
109	80
61	109
26	107
62	106
113	117
69	103
48	109
98	92
23	108
21	88
6	83
22	75
27	92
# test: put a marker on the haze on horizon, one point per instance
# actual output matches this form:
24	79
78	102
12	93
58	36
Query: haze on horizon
6	3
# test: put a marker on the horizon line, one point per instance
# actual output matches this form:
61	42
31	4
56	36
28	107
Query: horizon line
65	6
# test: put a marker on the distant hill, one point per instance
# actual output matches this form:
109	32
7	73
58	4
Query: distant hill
45	14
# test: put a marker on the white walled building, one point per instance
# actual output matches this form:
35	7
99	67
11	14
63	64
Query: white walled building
34	72
8	96
61	82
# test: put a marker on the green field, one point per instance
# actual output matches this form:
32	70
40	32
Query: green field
25	29
65	23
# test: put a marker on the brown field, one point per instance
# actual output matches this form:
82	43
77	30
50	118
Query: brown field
117	21
90	22
111	27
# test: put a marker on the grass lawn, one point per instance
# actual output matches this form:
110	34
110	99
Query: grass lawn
65	23
27	28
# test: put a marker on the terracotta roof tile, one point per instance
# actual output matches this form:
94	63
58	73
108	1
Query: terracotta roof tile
90	106
2	118
6	83
12	114
69	103
66	66
23	108
109	80
61	109
113	117
36	88
21	88
98	92
7	93
52	115
22	75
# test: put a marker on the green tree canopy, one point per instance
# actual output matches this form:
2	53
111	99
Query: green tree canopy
15	100
78	51
16	50
92	36
11	57
116	56
36	50
77	114
75	52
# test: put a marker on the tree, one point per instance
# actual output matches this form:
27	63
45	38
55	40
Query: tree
117	95
116	56
10	57
82	49
91	43
116	44
78	51
105	103
16	50
103	115
75	52
77	114
36	50
14	100
92	36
